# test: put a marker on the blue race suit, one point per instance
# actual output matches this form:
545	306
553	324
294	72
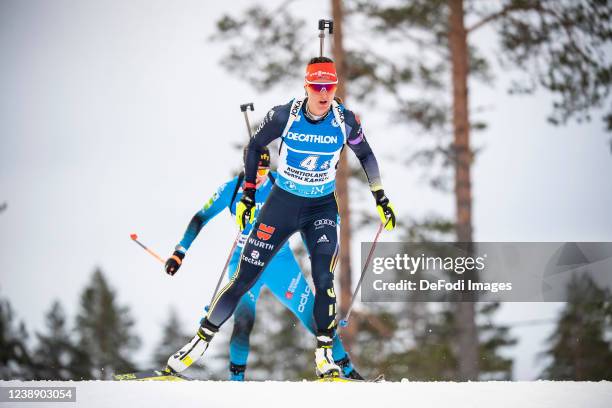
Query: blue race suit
283	278
302	200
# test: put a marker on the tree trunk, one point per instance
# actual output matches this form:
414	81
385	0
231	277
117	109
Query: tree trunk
465	315
346	286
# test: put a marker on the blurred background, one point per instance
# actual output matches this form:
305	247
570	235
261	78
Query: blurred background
490	120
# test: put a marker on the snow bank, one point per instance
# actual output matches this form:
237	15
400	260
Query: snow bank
207	394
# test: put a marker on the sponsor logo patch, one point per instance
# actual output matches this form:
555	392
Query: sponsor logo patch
260	244
265	120
304	299
315	190
296	107
303	137
323	222
252	261
323	239
293	285
264	232
242	240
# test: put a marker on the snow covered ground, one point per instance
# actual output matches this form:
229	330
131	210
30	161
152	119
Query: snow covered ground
539	394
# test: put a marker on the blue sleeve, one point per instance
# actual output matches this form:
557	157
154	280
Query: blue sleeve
271	128
219	201
356	140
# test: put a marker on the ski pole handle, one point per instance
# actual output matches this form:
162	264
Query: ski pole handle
244	109
245	106
344	322
323	24
153	254
329	24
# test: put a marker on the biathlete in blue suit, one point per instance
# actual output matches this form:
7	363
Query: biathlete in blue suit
283	277
313	133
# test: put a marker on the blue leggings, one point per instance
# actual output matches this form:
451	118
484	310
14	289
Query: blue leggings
285	280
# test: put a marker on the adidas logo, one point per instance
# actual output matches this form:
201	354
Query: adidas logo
323	239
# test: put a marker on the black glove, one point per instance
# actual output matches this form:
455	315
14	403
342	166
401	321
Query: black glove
174	262
244	210
385	209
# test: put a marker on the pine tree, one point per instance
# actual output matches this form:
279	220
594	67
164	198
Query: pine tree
57	356
105	329
579	348
558	46
15	359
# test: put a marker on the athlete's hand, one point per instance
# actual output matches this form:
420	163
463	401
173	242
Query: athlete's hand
244	210
385	209
174	262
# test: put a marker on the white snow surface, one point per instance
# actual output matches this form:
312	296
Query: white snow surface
132	394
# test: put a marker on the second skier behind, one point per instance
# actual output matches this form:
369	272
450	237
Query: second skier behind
283	277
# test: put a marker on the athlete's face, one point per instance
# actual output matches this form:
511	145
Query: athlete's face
320	97
262	175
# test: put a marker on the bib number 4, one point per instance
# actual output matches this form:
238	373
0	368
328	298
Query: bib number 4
310	163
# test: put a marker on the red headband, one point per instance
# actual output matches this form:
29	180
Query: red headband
322	73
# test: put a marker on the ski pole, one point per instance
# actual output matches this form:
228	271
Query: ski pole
153	254
229	257
244	109
323	24
344	322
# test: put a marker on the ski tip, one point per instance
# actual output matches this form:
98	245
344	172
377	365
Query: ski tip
133	236
343	323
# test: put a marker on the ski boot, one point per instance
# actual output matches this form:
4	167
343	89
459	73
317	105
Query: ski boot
192	351
347	369
326	367
237	372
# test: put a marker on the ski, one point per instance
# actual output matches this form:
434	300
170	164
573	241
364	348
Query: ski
164	375
379	378
151	375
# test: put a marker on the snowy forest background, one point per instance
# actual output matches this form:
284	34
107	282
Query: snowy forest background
410	341
561	47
